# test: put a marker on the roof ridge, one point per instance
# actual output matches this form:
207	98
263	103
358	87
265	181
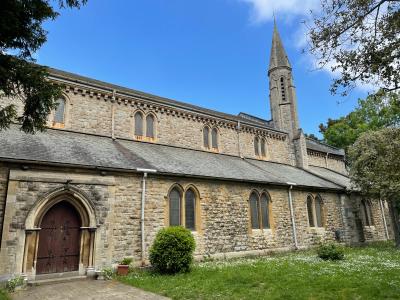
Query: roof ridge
322	143
313	173
334	171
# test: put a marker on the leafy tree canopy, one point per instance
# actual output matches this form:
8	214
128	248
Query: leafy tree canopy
360	41
375	168
378	111
375	163
21	35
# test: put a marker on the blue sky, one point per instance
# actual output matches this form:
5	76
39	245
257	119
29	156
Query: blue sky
211	53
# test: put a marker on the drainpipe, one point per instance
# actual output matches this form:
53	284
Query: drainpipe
113	116
291	184
384	219
238	139
326	160
143	248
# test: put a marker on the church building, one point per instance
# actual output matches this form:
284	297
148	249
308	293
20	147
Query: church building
116	165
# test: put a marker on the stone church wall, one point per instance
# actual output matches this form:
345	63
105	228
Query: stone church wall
3	194
330	163
224	219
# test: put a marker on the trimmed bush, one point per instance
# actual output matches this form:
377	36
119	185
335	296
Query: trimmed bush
172	250
330	251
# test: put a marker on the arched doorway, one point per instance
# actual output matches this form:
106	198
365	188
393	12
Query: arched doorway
59	240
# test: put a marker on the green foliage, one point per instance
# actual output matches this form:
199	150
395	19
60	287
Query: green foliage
375	164
375	169
359	41
330	251
367	273
13	283
4	295
126	261
172	250
21	34
377	111
108	273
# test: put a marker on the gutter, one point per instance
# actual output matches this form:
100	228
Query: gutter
291	184
134	170
142	207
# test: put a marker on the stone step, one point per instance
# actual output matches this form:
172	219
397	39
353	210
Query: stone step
55	280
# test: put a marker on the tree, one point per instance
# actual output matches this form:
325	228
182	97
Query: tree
375	168
21	35
378	111
360	40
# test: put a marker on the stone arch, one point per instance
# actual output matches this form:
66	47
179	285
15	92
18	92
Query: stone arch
197	208
154	124
83	206
73	195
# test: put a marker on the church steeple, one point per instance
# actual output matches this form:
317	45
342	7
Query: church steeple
278	57
282	97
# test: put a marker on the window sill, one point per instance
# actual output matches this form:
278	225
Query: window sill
58	125
215	150
317	229
261	157
144	138
258	232
371	227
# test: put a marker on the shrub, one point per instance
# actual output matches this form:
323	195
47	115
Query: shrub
108	273
126	261
13	283
172	250
330	251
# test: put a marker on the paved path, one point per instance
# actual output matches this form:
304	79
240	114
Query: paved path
85	290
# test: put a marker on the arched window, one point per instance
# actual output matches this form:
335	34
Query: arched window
366	213
315	211
206	137
318	211
174	207
214	138
150	126
190	207
139	124
310	210
265	211
263	153
283	91
256	146
59	113
254	210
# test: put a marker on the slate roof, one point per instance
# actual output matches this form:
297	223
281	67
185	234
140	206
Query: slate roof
333	176
85	150
75	78
321	147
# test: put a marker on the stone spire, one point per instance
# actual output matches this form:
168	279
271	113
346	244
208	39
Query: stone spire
283	102
278	56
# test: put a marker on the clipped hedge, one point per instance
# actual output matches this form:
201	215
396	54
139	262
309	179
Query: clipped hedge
172	250
330	251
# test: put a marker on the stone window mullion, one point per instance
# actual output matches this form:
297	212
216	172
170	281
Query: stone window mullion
183	210
260	220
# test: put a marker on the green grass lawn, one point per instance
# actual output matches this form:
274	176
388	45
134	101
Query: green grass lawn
371	272
4	295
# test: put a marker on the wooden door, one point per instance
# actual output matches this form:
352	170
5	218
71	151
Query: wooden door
59	240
